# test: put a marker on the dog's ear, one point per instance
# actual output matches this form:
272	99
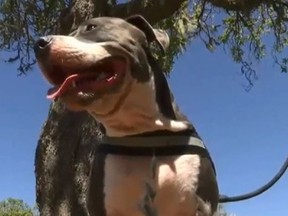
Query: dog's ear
157	35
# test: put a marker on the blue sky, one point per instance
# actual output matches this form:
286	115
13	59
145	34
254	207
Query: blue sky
246	132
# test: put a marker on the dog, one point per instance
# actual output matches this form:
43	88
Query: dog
152	161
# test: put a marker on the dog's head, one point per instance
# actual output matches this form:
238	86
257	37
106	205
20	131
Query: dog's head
105	63
94	62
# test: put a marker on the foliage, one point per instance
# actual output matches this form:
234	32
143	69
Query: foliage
23	21
15	207
245	35
243	28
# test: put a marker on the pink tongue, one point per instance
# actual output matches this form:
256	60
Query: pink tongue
58	91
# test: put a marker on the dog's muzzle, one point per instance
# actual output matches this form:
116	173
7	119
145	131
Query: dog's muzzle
75	66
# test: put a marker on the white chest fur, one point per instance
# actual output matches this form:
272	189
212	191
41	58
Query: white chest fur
175	185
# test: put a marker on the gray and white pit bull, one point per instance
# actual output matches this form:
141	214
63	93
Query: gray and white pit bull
152	162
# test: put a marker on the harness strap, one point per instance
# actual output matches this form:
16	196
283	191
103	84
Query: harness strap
150	151
153	141
154	146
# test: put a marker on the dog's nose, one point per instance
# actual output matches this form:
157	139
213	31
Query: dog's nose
42	45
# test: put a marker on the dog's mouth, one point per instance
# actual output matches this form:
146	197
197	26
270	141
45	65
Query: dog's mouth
104	74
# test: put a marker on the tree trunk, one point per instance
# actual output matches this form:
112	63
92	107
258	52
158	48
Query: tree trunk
68	139
63	156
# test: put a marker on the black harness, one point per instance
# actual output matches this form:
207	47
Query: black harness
152	151
153	146
147	146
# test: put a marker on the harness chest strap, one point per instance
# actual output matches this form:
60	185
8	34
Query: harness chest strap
135	146
153	141
154	146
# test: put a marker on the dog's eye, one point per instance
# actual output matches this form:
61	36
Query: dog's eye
90	27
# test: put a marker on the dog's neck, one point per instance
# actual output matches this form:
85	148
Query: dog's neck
138	114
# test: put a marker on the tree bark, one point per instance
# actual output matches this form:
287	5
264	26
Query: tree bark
153	11
63	157
68	140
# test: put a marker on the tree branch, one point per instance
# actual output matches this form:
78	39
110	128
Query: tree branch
153	11
75	14
237	5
